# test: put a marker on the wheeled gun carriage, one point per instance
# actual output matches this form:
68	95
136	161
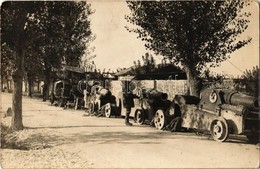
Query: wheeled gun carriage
67	89
221	112
101	102
153	108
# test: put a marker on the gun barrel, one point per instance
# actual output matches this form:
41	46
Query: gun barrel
155	95
235	98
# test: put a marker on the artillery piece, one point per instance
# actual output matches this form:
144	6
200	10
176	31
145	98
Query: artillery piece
61	93
153	108
65	90
221	112
101	102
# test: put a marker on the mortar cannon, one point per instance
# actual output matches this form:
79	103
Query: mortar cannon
236	99
221	112
102	101
154	95
154	105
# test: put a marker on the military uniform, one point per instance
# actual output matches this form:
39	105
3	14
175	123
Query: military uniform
128	101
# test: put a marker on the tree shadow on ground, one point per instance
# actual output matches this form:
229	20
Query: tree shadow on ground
114	136
103	137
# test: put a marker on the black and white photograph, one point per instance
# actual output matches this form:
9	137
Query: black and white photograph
130	84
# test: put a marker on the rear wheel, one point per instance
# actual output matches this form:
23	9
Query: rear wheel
139	117
107	110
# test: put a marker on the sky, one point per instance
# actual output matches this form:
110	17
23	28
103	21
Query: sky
115	47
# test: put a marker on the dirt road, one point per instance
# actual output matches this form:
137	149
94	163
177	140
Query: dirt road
76	141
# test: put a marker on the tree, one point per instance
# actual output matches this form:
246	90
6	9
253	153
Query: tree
147	67
40	32
66	33
15	36
191	34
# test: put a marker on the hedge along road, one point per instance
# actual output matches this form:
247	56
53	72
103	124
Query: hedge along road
108	143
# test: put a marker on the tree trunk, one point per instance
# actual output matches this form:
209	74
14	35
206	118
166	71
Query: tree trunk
46	87
193	81
29	87
8	85
46	81
17	123
25	85
38	86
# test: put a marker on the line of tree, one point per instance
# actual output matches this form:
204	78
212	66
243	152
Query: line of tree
146	68
192	34
37	37
250	80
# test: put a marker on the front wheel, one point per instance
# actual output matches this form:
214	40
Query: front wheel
219	129
159	119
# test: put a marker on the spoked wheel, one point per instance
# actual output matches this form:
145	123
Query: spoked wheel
107	110
159	119
219	129
139	117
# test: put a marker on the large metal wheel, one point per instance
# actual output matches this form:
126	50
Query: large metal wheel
219	129
139	117
107	110
159	119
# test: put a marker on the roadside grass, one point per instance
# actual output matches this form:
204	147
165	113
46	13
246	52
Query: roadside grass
26	139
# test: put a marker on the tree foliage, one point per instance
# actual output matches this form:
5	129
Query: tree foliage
8	56
148	69
192	34
250	79
65	29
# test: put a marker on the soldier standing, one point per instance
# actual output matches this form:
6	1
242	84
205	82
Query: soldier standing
128	101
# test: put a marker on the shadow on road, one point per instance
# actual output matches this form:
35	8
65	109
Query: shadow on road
114	135
73	126
110	136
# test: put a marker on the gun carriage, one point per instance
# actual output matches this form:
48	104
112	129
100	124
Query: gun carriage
153	108
220	112
66	90
101	102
